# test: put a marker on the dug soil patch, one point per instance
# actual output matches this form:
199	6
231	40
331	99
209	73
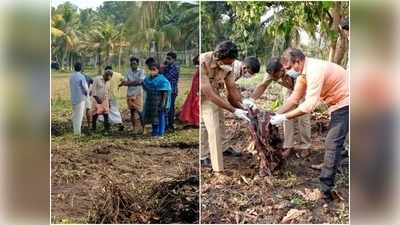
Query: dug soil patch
123	180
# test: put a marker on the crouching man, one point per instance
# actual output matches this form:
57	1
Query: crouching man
100	99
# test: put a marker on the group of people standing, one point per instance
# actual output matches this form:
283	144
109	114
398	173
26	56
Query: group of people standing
307	80
150	98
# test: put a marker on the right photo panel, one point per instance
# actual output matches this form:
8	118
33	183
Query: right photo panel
274	112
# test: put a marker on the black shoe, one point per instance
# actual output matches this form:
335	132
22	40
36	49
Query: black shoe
232	152
205	162
328	196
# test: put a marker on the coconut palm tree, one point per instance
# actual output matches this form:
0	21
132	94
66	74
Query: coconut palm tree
64	25
103	39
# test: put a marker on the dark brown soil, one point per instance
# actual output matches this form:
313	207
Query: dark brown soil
240	195
124	179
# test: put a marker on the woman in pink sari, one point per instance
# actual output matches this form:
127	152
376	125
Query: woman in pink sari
190	109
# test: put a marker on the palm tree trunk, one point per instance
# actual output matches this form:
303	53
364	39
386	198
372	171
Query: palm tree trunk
99	61
63	59
119	59
69	61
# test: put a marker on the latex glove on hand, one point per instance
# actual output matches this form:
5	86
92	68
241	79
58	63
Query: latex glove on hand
249	103
278	119
242	114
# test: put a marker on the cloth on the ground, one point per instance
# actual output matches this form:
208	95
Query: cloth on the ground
154	86
114	115
267	140
190	109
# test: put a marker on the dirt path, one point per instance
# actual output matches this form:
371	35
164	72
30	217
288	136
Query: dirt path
239	195
82	169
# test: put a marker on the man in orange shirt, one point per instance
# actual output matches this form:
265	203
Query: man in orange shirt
319	80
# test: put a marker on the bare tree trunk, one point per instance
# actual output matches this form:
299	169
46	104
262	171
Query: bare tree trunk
99	61
341	49
296	39
274	48
332	50
119	59
334	28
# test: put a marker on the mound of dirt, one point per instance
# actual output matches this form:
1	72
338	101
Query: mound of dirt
177	201
116	203
173	201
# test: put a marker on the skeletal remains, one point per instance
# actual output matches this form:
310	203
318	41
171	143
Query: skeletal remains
267	141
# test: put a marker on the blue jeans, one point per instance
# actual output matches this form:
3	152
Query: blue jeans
334	145
159	129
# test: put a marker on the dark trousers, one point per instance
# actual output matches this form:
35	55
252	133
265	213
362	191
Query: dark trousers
106	121
171	112
334	145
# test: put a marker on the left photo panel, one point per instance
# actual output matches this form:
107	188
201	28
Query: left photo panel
124	112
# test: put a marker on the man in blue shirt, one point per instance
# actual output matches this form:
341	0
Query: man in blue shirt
171	72
79	92
88	104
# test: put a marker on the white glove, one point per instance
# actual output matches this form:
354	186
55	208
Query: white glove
278	119
249	103
242	114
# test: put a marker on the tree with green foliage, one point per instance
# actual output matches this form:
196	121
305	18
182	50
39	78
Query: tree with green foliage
115	30
265	29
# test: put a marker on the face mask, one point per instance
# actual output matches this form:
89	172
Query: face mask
292	73
226	67
247	75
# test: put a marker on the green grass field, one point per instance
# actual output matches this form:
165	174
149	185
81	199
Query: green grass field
60	96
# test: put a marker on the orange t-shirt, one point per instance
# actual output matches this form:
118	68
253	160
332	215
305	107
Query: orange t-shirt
321	80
